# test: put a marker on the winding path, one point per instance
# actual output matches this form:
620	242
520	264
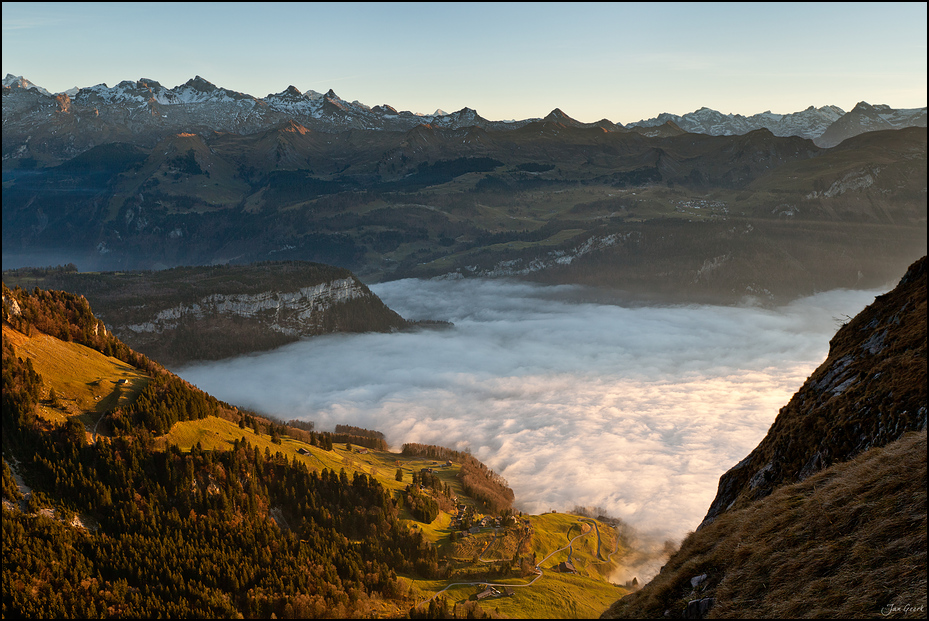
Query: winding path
610	556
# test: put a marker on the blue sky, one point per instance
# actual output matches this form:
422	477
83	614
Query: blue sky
619	61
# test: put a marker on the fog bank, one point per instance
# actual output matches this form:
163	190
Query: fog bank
635	409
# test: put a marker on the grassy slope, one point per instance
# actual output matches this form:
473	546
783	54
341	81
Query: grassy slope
552	596
79	375
83	379
849	542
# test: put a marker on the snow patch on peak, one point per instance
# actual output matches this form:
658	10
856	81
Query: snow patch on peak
18	81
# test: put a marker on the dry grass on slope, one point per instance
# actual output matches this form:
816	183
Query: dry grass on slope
870	391
848	542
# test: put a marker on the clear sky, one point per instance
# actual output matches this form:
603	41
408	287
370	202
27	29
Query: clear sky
619	61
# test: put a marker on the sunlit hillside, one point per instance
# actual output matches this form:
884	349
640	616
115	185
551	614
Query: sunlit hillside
79	381
234	472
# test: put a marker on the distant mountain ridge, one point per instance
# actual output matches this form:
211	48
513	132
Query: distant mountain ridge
139	176
809	123
826	126
867	118
143	111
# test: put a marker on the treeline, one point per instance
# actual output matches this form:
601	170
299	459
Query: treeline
442	493
478	481
202	534
166	400
437	608
10	490
22	388
360	436
359	431
305	425
41	272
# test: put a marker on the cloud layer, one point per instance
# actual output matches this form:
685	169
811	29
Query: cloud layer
637	409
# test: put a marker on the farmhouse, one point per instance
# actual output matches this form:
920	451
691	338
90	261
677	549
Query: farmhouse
567	567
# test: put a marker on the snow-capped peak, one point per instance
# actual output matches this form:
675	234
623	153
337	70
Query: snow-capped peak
18	81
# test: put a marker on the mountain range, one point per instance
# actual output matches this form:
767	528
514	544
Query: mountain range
826	126
144	109
142	177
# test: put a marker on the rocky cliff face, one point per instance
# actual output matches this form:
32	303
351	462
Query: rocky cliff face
293	313
869	392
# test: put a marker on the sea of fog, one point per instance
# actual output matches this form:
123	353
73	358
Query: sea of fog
635	409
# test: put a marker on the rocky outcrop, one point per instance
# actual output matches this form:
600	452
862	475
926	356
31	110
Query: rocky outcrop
294	313
849	542
222	325
185	314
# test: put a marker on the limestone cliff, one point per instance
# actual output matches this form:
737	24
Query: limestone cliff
206	313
